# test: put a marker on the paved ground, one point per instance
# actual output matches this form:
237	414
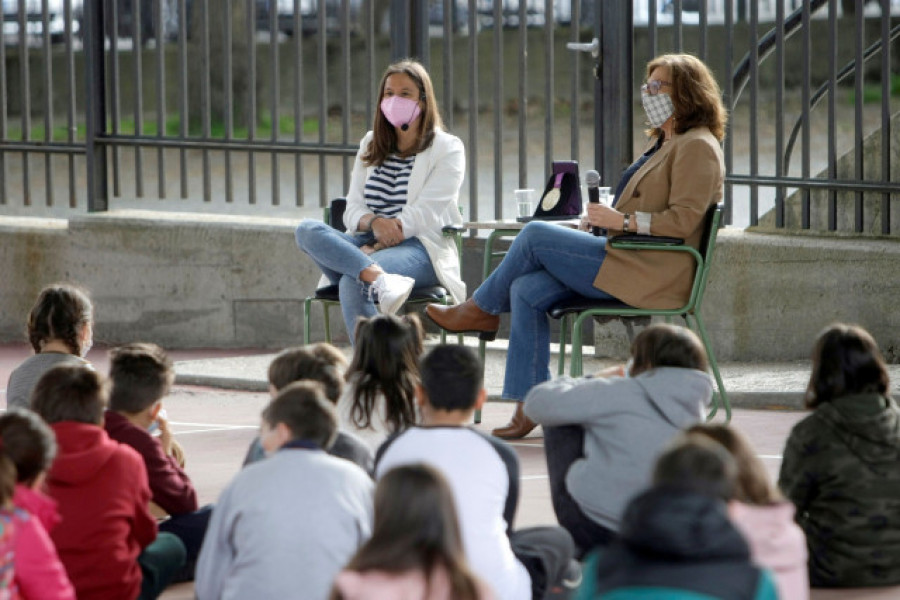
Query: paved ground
215	425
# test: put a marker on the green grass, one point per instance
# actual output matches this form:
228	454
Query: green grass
872	92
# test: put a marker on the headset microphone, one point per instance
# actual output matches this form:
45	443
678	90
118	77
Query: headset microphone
405	126
592	180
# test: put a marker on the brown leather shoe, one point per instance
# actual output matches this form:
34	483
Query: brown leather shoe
465	318
518	427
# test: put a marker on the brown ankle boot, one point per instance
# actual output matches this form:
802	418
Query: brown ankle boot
464	318
518	427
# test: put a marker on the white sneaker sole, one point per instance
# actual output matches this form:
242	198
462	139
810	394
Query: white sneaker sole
392	305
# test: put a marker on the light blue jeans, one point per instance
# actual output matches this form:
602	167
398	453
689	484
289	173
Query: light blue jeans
339	256
546	264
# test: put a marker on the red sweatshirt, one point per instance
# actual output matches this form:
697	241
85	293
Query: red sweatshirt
103	495
169	484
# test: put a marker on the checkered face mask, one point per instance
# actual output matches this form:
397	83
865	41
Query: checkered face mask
658	107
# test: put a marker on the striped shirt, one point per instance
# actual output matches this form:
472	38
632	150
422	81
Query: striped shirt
387	185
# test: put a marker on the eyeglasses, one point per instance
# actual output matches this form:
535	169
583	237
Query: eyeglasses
651	88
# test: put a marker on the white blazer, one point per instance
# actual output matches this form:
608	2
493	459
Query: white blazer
432	203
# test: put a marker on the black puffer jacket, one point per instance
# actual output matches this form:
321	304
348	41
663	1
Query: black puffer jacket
679	540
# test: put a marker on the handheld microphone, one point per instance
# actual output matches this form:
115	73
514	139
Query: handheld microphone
592	180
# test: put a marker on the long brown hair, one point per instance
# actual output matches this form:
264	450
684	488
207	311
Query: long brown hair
695	94
386	362
384	140
416	527
754	485
846	360
665	345
59	313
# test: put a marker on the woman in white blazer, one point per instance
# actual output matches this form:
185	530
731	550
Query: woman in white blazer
403	191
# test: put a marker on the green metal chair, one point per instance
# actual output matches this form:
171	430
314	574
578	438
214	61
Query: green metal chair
327	296
579	309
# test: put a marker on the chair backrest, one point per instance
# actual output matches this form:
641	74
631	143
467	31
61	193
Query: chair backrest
707	247
334	213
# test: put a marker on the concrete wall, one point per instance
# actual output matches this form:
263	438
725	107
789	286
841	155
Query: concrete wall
193	280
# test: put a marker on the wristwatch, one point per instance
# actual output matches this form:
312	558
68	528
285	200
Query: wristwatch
626	222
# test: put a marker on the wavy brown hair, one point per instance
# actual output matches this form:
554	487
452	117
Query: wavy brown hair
416	527
59	313
386	364
845	361
695	94
753	483
384	140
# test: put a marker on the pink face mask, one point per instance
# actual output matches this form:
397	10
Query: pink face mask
400	112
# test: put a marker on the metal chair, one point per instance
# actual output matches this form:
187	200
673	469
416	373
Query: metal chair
585	308
327	296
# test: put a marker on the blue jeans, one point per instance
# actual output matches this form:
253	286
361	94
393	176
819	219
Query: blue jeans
339	256
546	264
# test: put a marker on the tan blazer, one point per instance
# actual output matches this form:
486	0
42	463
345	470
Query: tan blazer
677	185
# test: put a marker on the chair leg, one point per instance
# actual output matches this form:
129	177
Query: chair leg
714	365
307	305
563	326
326	309
482	352
576	367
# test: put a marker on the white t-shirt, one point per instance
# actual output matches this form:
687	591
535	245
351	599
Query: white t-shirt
483	473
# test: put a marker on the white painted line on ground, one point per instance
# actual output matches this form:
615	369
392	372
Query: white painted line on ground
213	429
219	425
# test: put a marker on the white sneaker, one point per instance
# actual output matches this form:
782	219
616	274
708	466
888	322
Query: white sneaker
391	291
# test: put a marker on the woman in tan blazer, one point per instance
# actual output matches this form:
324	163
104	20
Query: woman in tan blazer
665	192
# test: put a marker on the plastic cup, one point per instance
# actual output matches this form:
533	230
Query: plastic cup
604	195
523	202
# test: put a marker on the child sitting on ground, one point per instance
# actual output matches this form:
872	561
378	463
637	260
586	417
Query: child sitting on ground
285	526
107	537
28	444
676	540
762	514
483	473
380	396
60	329
141	376
325	364
415	550
841	466
603	434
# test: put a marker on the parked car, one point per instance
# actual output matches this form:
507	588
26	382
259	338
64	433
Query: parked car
309	15
34	19
125	18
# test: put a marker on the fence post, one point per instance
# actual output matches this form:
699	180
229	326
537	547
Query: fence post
400	29
613	89
409	30
95	107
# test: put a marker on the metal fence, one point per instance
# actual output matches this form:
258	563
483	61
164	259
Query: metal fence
257	106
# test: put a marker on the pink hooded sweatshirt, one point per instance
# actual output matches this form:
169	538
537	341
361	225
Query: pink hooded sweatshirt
39	572
776	543
409	585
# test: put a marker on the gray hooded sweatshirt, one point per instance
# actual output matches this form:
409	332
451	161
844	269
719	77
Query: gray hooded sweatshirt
628	421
